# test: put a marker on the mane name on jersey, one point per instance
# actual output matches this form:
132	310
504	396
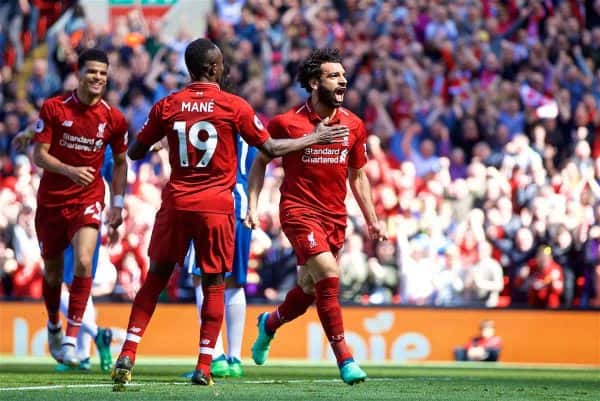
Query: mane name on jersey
200	107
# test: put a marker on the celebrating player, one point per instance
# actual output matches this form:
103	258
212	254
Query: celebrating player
71	136
89	329
201	123
229	364
312	210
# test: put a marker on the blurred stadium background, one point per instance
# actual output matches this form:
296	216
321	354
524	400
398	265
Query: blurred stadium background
484	148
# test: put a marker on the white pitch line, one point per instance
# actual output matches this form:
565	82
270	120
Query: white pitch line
280	381
63	386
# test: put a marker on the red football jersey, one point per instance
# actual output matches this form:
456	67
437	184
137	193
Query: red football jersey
315	177
77	134
201	123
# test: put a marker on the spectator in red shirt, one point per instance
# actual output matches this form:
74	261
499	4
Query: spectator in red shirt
484	347
545	281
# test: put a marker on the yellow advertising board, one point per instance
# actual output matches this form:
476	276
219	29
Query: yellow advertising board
375	334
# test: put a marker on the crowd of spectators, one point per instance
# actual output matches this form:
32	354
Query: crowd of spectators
484	144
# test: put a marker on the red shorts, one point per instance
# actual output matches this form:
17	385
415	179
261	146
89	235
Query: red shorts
56	226
213	235
312	234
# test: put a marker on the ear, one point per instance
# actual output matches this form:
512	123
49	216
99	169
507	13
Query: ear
314	83
212	69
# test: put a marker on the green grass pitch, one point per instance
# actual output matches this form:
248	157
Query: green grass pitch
159	379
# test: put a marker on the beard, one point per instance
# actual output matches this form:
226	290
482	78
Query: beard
327	97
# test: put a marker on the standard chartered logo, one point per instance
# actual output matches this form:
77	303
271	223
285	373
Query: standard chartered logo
324	155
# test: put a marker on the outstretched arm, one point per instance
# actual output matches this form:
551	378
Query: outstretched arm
137	150
255	183
362	192
323	134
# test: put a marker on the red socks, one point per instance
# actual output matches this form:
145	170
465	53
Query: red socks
141	312
78	297
330	314
211	316
52	301
296	303
328	307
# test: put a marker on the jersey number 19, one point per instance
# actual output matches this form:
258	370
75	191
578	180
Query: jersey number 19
209	145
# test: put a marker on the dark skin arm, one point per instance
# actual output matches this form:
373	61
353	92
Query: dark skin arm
323	133
137	150
275	147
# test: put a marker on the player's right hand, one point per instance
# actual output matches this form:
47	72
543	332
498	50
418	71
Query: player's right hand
83	175
251	220
331	133
113	235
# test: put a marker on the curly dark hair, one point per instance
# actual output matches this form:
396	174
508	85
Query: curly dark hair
311	67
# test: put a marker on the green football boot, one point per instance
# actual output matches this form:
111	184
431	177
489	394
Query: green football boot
235	368
260	348
219	367
351	373
103	340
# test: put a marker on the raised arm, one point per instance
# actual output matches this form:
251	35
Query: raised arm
82	175
359	183
255	183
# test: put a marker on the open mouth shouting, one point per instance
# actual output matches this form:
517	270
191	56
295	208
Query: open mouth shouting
339	94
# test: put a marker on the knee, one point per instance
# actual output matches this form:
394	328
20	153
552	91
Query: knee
53	277
322	266
307	288
325	272
161	269
84	261
306	283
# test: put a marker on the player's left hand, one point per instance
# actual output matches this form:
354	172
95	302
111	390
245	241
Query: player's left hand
251	221
377	232
115	217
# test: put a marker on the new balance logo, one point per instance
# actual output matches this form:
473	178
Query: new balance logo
135	329
336	338
311	240
205	342
67	123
